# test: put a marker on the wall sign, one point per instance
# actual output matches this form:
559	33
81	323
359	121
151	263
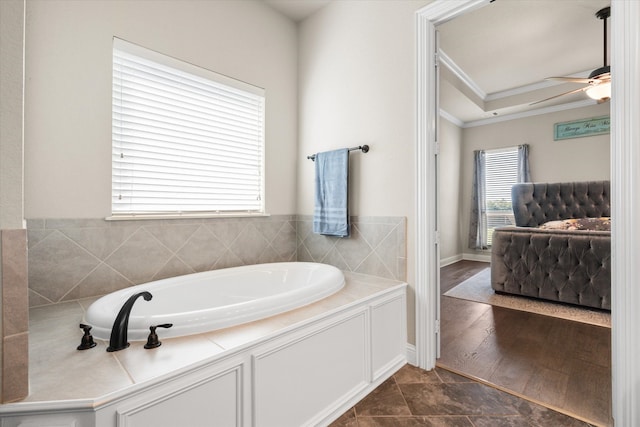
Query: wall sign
580	128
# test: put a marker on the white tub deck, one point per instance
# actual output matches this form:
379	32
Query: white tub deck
63	377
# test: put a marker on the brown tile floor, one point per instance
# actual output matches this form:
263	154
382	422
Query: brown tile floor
439	398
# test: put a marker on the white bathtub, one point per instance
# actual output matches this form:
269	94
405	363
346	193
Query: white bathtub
217	299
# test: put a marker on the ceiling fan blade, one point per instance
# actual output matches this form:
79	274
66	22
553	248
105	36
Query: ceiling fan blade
604	77
582	89
571	79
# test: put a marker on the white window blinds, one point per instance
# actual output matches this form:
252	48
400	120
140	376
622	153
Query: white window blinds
501	172
185	140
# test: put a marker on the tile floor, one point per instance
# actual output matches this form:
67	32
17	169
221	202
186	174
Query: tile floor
439	398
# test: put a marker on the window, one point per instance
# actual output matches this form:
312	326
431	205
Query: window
186	141
500	174
494	173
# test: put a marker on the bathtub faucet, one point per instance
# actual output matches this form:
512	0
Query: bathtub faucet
118	340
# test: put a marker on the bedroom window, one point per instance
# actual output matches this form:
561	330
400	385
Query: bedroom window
186	141
495	172
501	174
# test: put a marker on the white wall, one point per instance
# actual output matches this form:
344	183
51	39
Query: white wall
68	88
577	159
11	104
449	190
356	86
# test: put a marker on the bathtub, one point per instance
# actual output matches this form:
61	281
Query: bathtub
211	300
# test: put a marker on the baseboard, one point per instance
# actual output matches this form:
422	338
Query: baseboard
412	359
450	260
477	257
467	257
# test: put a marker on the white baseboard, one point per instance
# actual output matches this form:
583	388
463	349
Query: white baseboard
465	256
477	257
450	260
411	355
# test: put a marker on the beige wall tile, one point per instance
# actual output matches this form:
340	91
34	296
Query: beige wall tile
71	259
14	282
15	367
57	264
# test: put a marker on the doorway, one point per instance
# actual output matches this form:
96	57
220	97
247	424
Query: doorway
626	374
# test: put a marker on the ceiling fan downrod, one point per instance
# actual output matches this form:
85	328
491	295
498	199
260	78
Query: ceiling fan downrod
603	14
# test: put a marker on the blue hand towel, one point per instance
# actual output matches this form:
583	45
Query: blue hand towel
332	172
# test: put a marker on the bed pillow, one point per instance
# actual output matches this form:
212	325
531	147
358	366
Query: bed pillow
591	224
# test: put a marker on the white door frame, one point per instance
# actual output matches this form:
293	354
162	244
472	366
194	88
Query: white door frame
625	184
427	264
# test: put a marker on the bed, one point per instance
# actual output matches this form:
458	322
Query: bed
560	247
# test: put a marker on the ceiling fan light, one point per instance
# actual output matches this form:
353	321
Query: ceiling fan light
600	91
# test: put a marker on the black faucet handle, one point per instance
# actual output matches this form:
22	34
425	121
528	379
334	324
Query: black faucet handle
87	340
152	340
164	325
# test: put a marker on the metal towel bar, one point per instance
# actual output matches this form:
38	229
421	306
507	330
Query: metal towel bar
364	148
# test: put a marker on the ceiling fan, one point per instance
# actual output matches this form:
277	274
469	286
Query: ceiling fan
598	84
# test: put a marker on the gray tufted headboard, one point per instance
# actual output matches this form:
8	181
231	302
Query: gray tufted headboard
536	203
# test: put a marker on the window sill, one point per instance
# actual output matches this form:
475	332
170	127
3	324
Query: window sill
134	217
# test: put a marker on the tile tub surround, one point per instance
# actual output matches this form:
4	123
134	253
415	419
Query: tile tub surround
377	246
55	363
71	259
15	316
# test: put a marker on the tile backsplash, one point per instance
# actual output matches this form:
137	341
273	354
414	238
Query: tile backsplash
71	259
376	246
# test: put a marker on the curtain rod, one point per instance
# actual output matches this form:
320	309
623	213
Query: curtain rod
364	148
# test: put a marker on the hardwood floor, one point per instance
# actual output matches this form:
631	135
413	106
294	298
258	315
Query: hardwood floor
561	364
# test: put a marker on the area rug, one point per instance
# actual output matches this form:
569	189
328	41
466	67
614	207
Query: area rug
478	289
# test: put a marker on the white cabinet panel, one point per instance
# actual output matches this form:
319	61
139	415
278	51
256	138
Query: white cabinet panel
389	340
212	402
49	420
294	382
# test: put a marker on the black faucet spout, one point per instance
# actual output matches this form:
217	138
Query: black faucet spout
118	340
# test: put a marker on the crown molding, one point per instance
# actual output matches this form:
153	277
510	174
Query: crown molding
531	87
530	113
460	74
465	79
521	115
451	118
486	97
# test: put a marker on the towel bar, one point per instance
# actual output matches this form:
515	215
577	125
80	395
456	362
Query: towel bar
364	148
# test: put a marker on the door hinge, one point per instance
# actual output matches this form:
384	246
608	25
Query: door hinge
437	325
